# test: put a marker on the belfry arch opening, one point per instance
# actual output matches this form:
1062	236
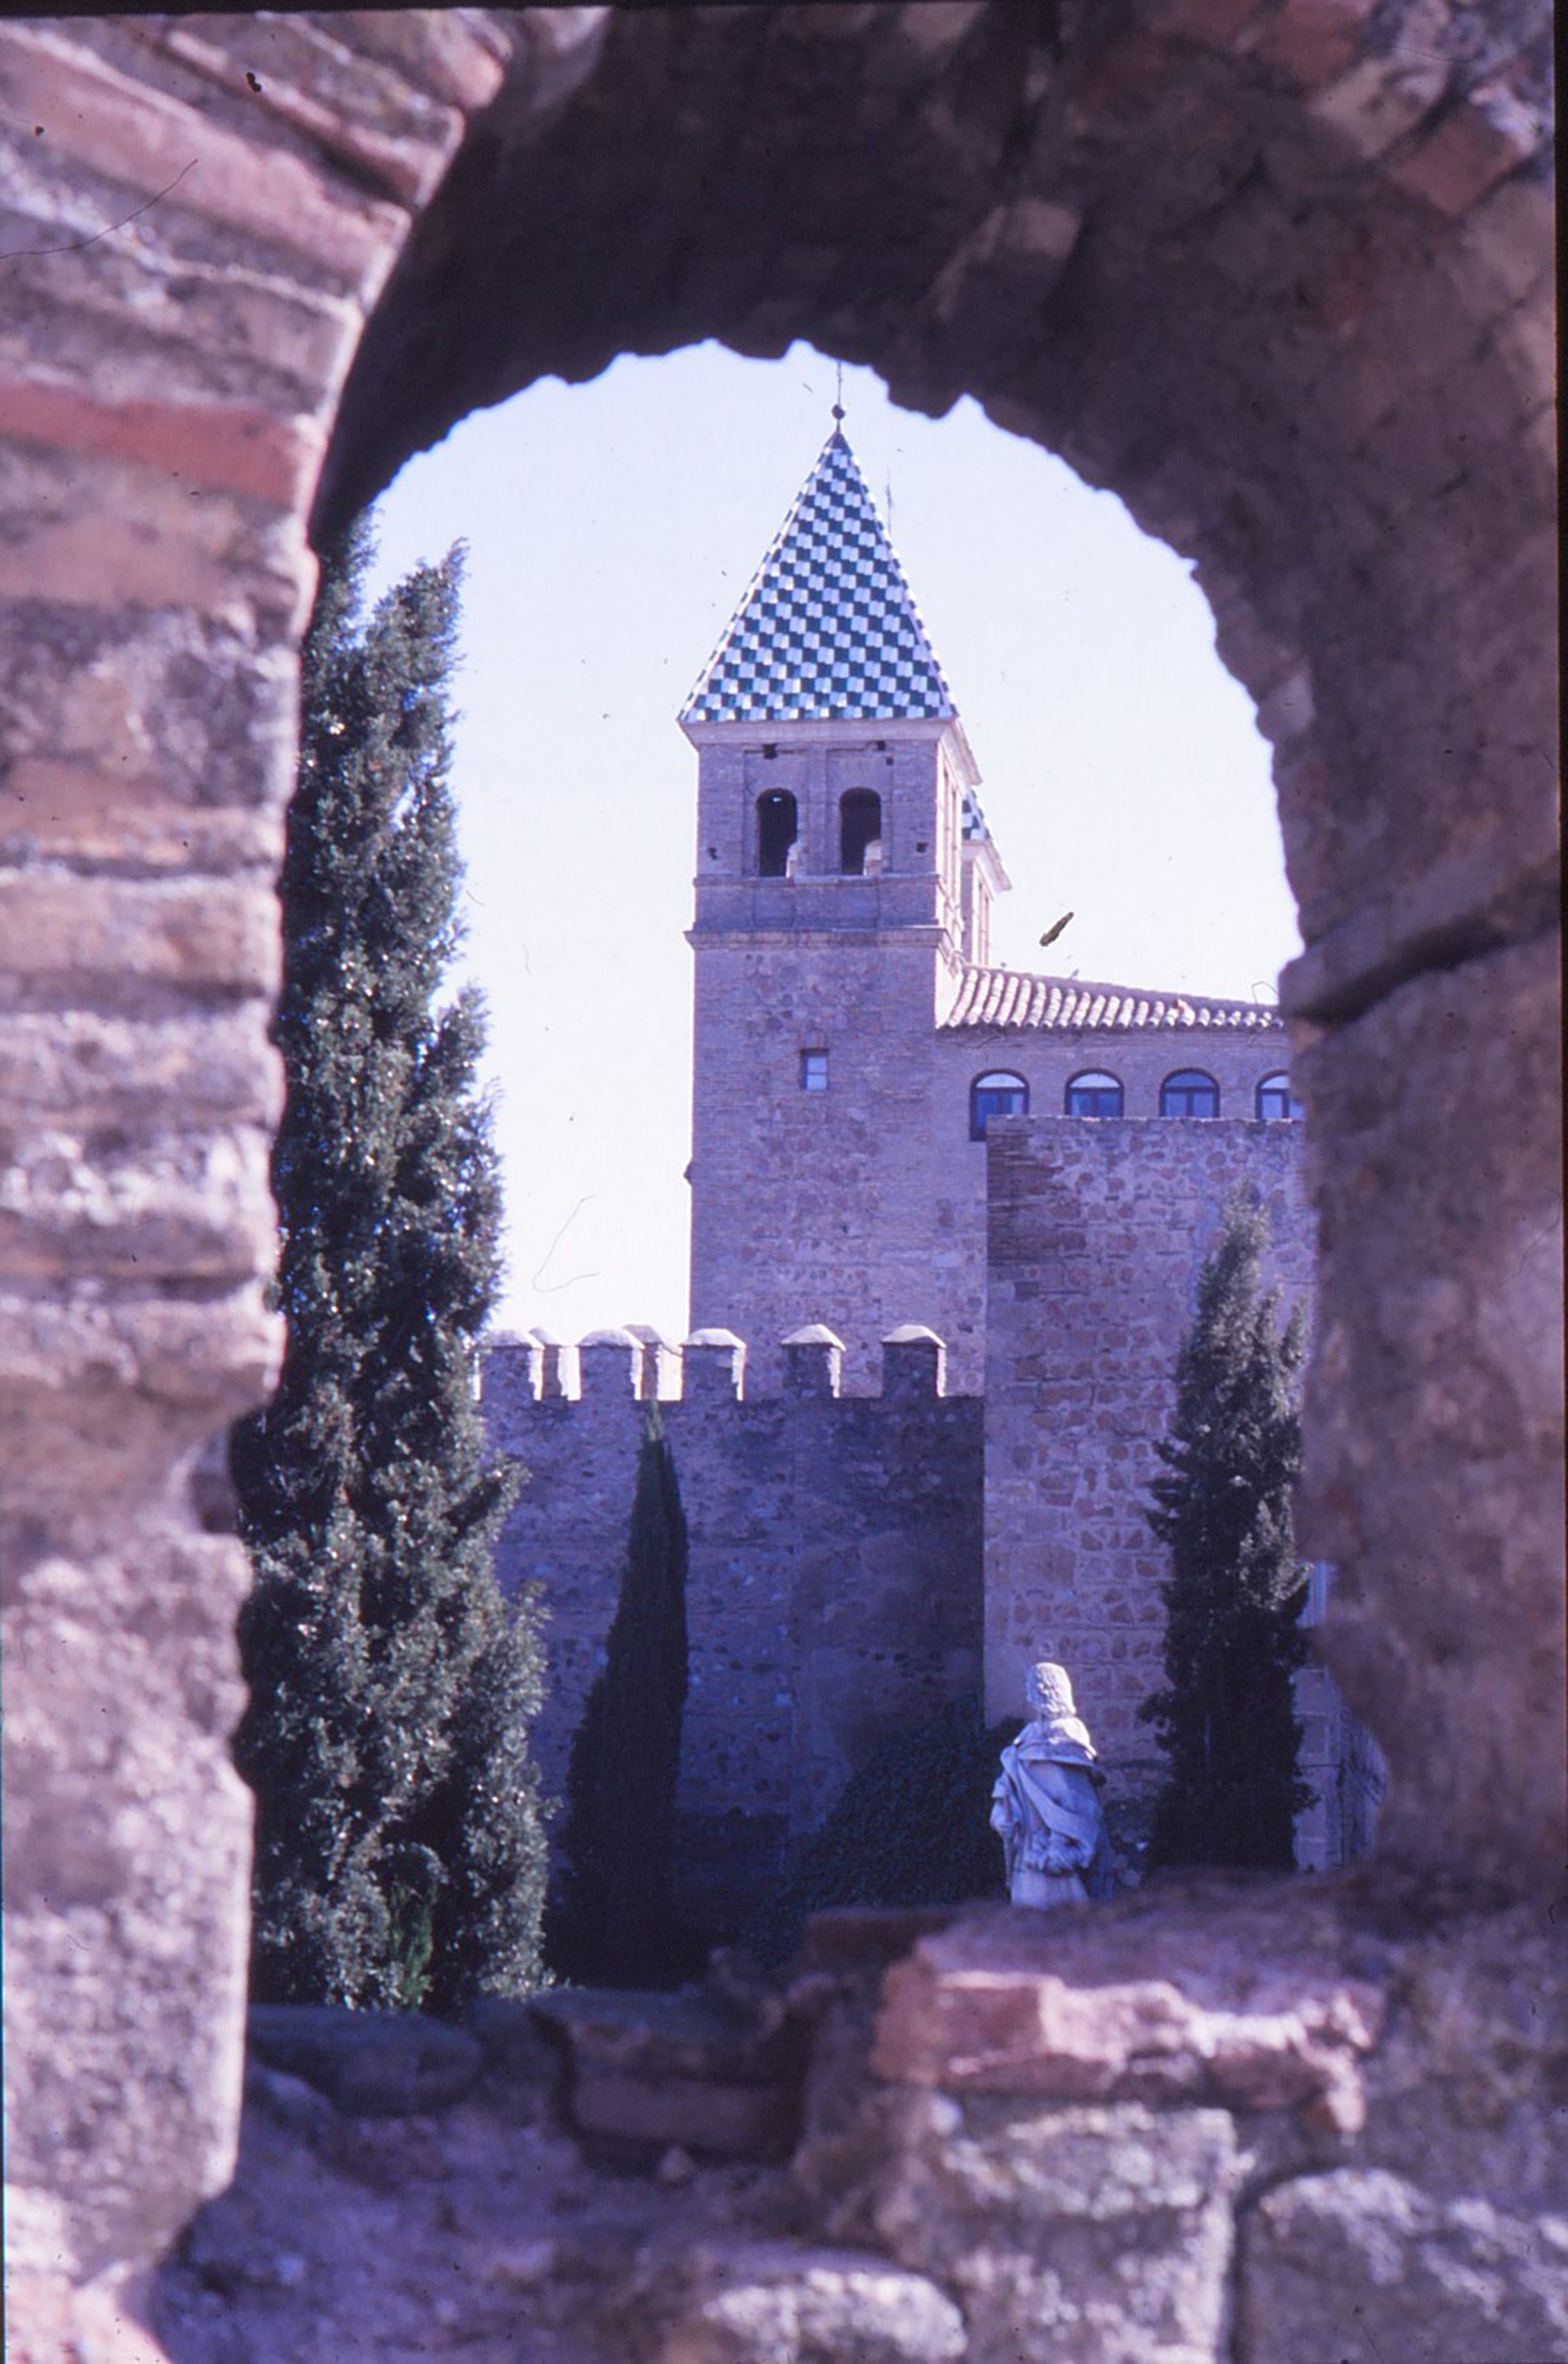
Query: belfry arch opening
859	832
778	826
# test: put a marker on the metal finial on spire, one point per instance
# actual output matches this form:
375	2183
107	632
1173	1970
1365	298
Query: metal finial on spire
839	399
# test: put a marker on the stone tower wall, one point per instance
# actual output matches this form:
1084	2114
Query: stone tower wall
834	1590
814	1205
1097	1233
809	1206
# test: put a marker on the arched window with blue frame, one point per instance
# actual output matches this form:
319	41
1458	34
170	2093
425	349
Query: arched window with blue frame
1189	1092
997	1093
1276	1100
1093	1093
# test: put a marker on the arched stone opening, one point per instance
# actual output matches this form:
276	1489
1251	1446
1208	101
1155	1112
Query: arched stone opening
1279	276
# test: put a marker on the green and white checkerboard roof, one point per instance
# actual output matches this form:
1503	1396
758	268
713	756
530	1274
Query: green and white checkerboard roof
827	630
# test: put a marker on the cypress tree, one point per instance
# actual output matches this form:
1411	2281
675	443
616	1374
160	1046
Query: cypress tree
620	1841
1226	1716
399	1857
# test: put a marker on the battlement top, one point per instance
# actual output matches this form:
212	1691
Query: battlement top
638	1362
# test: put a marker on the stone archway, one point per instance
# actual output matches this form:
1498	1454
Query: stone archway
1278	271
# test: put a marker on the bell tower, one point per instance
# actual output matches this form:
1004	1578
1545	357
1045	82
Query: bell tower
843	878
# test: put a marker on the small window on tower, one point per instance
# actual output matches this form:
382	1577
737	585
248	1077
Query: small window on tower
813	1071
1093	1093
776	829
996	1094
860	828
1276	1100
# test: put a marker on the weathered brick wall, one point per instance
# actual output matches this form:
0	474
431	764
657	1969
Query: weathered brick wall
834	1589
189	259
1097	1235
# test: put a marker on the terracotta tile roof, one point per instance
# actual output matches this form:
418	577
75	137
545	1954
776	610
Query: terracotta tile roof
827	630
996	997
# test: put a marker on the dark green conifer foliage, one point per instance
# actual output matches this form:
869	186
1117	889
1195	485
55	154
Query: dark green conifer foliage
1226	1717
617	1926
912	1826
399	1853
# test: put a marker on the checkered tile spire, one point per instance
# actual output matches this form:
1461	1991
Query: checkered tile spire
827	630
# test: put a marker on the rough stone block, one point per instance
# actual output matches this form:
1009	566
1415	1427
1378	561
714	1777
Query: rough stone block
914	1363
94	532
165	329
999	2002
243	451
813	1360
127	1869
1435	1165
92	1068
1352	2262
75	1204
191	701
764	2302
116	821
106	1393
347	104
1314	41
91	937
1378	101
369	2064
1098	2234
1487	135
700	2114
461	60
132	132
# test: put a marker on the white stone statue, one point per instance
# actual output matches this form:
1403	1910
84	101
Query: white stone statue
1046	1803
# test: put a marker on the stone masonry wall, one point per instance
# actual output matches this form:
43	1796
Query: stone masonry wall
1341	1762
1098	1233
834	1587
954	1166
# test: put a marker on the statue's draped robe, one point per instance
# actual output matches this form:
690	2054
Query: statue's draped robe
1046	1806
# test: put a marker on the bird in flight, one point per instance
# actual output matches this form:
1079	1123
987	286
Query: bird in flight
1052	933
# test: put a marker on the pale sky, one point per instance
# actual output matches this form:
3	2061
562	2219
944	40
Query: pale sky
612	528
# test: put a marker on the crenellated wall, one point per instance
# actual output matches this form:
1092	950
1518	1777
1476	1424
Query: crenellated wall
835	1582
